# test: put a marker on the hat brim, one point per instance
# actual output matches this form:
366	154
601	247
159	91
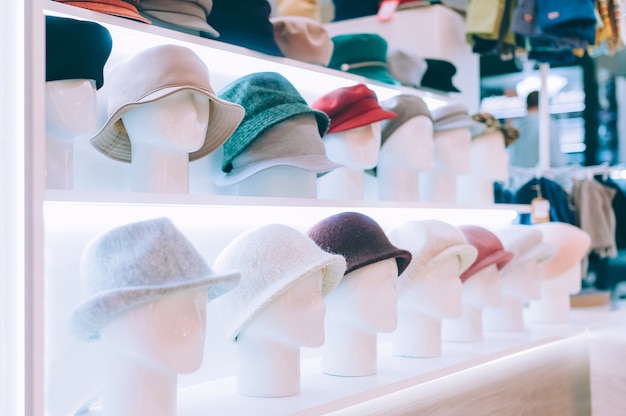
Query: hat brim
500	258
466	253
539	254
465	123
363	119
439	87
310	163
403	258
112	140
110	9
256	125
377	73
180	19
333	263
94	313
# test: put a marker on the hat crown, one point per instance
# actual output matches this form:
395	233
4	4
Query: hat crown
76	49
146	253
154	69
406	107
268	99
358	47
484	240
572	244
358	238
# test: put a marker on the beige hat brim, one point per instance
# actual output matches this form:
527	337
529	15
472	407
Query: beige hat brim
112	140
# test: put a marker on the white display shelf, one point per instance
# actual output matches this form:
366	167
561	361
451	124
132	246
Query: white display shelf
325	394
73	209
227	62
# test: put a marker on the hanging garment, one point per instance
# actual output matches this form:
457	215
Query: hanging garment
608	36
569	18
488	26
619	209
560	209
592	203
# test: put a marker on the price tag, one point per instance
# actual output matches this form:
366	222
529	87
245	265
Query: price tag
539	210
386	10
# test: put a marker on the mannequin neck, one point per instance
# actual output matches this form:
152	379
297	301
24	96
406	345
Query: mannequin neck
397	184
134	388
417	335
437	186
508	317
467	328
267	368
474	190
348	350
342	183
154	169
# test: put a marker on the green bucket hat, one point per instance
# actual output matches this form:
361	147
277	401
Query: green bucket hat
269	99
362	54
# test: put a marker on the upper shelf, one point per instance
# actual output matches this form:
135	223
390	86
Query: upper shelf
228	62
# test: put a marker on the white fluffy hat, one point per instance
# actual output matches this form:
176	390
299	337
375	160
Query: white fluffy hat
430	242
270	259
527	245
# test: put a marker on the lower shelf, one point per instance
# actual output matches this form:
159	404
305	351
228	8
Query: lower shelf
537	370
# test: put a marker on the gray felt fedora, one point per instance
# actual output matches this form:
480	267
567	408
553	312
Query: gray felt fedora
138	263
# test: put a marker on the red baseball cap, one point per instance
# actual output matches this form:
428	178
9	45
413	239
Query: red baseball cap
351	107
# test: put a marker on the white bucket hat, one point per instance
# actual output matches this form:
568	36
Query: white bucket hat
572	242
138	263
151	75
430	242
527	245
270	259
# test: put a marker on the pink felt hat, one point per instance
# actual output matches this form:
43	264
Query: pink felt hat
572	243
490	250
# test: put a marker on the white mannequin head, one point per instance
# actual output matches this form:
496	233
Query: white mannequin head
410	146
568	282
483	288
452	150
295	318
174	124
522	281
166	335
489	158
71	108
436	293
366	298
356	148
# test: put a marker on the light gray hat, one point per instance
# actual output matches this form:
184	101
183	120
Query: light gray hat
295	142
527	245
406	66
189	14
270	259
406	107
430	242
138	263
151	75
453	116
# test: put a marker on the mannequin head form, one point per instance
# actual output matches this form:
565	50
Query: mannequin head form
356	148
452	148
175	124
489	158
166	335
410	146
483	288
569	281
70	108
522	281
366	298
437	293
295	318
